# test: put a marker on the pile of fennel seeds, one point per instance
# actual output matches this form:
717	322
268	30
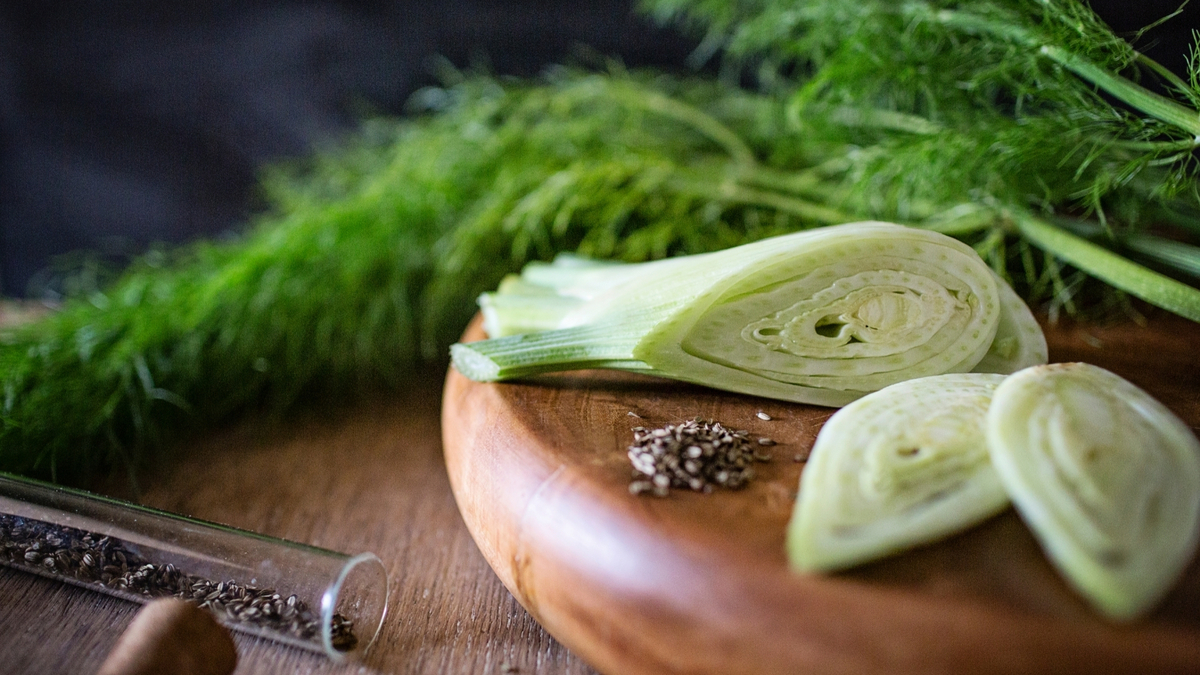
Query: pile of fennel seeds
1105	476
696	455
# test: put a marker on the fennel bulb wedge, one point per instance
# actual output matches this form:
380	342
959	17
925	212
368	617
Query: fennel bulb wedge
1019	342
1107	478
822	316
901	467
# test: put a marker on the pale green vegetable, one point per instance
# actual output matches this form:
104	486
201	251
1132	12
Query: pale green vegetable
545	293
1019	342
542	296
1107	478
521	307
901	467
823	316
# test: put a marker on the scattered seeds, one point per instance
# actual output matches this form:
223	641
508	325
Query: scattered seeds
67	552
695	455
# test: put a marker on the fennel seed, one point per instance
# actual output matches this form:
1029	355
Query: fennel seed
697	455
91	559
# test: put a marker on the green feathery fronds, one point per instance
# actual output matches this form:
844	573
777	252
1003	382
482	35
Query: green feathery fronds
373	252
1005	75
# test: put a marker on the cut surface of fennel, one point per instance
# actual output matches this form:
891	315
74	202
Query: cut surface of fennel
900	467
1107	478
822	316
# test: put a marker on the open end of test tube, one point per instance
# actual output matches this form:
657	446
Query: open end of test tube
358	595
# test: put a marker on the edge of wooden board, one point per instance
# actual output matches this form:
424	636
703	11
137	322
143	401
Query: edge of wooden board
639	585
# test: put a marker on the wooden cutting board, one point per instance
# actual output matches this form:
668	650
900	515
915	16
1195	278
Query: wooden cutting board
697	583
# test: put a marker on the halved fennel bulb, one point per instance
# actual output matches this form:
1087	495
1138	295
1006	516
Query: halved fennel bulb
1019	342
822	316
901	467
1107	478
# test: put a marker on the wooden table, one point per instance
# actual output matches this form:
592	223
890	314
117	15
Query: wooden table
368	477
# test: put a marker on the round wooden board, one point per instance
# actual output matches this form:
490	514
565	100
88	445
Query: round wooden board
697	583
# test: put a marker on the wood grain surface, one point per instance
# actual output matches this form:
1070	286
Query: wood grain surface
366	476
699	584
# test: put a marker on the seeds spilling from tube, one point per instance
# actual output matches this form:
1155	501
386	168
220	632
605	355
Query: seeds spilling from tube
90	558
694	455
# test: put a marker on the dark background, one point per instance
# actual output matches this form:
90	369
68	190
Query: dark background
128	122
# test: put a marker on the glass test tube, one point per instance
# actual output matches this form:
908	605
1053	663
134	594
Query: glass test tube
292	593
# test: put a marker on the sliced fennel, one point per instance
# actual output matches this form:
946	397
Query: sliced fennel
903	466
823	316
544	293
1019	342
1107	478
